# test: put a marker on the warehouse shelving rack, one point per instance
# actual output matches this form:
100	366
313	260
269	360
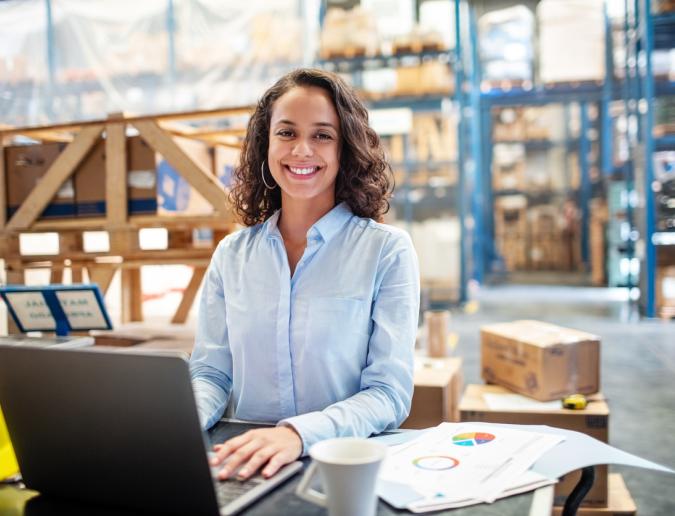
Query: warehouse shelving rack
428	102
589	93
651	33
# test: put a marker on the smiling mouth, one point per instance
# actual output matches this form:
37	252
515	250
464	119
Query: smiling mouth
302	171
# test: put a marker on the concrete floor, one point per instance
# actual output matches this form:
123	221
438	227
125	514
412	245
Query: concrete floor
637	375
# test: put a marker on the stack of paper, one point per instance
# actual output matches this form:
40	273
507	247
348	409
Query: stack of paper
460	464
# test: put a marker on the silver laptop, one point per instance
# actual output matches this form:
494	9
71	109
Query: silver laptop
115	428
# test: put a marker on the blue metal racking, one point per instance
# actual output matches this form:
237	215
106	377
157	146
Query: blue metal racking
652	32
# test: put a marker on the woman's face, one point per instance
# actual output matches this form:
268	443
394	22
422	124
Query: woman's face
304	143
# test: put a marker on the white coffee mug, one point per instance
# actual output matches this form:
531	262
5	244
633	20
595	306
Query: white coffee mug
348	468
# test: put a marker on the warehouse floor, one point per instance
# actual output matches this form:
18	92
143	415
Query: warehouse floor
637	376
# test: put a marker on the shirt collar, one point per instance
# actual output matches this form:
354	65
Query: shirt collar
326	227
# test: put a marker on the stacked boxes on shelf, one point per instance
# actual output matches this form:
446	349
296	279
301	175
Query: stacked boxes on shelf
663	6
571	59
508	167
665	291
349	33
511	230
664	115
529	158
664	189
506	45
598	244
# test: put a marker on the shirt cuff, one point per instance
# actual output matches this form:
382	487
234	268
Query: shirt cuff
312	427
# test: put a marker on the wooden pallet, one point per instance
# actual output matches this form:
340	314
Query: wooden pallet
506	85
349	52
417	47
572	84
124	254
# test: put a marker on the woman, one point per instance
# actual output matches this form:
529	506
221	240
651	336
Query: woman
308	316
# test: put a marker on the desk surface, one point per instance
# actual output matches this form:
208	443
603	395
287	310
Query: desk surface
17	502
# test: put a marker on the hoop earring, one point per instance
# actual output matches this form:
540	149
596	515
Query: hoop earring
262	174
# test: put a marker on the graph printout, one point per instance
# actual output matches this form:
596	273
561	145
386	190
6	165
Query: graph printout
456	462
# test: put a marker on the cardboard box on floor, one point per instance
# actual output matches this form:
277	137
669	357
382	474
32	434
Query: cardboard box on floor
540	360
619	503
438	386
593	421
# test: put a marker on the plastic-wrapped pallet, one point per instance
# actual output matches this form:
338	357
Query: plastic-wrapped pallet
571	40
506	44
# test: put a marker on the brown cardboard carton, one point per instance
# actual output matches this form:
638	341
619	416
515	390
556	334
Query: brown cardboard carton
438	386
25	166
619	502
593	421
141	176
90	182
141	179
540	360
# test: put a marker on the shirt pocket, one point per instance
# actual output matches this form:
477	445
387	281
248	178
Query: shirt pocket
338	328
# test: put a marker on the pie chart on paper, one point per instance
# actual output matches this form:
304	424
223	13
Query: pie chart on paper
472	439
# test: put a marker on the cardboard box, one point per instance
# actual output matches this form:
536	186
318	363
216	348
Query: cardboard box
141	179
540	360
438	386
593	421
25	166
175	195
141	176
619	502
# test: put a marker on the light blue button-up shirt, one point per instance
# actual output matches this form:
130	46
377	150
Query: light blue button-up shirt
328	350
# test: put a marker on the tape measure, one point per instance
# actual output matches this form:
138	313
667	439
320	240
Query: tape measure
575	402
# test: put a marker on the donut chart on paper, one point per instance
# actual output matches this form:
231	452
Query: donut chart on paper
472	439
435	462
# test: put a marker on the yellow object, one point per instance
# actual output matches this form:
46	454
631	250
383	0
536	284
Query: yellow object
8	464
575	402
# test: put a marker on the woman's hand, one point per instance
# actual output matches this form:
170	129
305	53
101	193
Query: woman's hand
273	447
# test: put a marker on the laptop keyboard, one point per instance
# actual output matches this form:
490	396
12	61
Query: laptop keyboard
231	489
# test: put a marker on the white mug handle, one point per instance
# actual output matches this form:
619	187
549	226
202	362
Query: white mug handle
307	493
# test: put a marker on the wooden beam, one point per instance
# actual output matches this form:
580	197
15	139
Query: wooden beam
212	220
115	175
3	187
201	179
132	299
62	168
189	295
75	274
186	115
102	276
56	275
14	276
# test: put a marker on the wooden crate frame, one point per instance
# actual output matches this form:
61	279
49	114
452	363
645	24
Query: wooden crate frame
124	255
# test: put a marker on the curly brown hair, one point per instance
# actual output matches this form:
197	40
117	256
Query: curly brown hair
364	180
